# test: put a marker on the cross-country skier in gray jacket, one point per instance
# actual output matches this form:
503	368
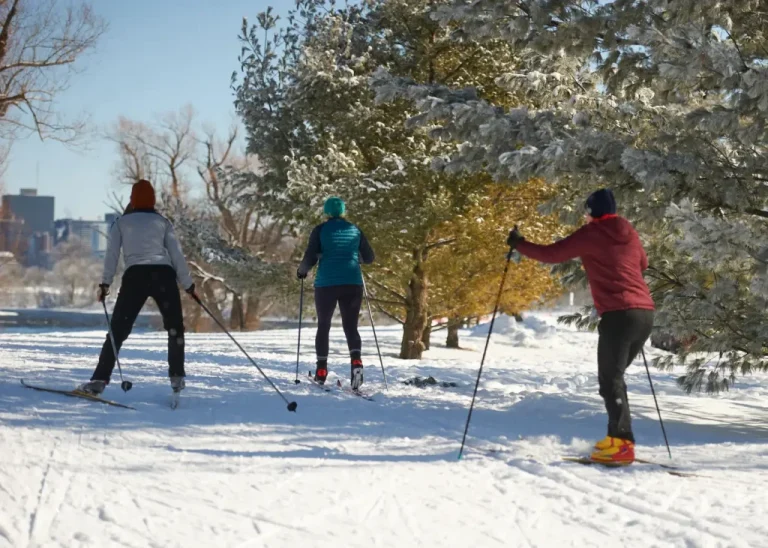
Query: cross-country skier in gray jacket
154	263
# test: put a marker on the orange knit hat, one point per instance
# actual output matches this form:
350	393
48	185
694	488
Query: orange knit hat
143	195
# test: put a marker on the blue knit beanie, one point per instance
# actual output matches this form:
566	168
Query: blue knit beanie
334	207
601	202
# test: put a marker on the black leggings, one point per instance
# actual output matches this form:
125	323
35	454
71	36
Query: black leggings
622	335
349	299
139	283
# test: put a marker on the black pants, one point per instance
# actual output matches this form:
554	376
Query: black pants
622	335
349	299
139	283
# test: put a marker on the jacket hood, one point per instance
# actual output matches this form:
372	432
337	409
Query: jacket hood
615	228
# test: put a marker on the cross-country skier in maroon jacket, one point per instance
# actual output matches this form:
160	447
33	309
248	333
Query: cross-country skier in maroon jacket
614	260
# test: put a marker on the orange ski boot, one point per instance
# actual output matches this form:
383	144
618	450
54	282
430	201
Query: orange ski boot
614	451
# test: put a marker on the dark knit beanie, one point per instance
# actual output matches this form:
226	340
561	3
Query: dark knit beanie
600	203
143	195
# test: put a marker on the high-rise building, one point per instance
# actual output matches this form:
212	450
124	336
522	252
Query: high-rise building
36	211
26	216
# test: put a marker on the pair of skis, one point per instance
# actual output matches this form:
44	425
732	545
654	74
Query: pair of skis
673	470
668	468
174	403
344	388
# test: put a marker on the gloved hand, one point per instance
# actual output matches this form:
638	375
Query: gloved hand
191	291
103	292
300	274
514	238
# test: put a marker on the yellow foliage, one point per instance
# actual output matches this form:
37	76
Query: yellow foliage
465	276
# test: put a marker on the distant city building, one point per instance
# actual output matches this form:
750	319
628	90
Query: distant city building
36	211
110	218
26	226
39	250
92	233
28	230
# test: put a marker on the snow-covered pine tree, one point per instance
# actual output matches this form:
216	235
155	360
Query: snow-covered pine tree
665	101
274	120
363	152
222	268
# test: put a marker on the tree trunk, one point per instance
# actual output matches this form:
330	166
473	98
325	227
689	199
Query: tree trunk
452	341
193	314
252	318
426	337
209	298
237	318
416	313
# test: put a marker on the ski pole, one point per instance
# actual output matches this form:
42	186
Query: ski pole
658	410
298	346
487	341
125	385
373	328
291	405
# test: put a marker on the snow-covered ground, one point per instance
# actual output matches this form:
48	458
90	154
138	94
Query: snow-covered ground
232	467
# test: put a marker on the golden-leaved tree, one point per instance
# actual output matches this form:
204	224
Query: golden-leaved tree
465	276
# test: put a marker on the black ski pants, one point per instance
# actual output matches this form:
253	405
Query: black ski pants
350	299
622	335
139	283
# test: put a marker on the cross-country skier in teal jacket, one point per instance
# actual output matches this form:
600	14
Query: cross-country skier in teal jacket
340	247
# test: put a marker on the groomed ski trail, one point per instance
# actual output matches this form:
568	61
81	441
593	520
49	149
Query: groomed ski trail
238	470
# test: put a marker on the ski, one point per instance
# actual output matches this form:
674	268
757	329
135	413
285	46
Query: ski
587	460
341	387
76	394
349	390
667	468
313	381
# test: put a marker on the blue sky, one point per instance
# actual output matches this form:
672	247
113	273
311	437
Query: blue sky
157	56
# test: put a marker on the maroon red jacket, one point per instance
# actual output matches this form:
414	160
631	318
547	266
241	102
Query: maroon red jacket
613	258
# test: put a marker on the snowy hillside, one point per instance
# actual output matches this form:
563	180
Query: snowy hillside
231	467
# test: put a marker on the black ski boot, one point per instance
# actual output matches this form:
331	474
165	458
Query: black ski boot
321	373
92	388
356	374
177	384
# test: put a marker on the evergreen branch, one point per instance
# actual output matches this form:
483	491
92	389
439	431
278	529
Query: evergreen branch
382	301
385	288
387	314
441	243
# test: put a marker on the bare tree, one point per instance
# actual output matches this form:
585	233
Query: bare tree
74	264
5	151
165	151
157	151
135	161
40	42
175	144
243	221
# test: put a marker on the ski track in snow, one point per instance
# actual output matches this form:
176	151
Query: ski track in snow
232	467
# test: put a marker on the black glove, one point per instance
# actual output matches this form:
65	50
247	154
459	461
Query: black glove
103	292
191	291
514	238
300	275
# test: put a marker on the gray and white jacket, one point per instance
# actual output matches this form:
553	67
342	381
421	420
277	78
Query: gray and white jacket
146	238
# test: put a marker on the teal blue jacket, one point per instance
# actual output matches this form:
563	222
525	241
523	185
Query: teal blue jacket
340	247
